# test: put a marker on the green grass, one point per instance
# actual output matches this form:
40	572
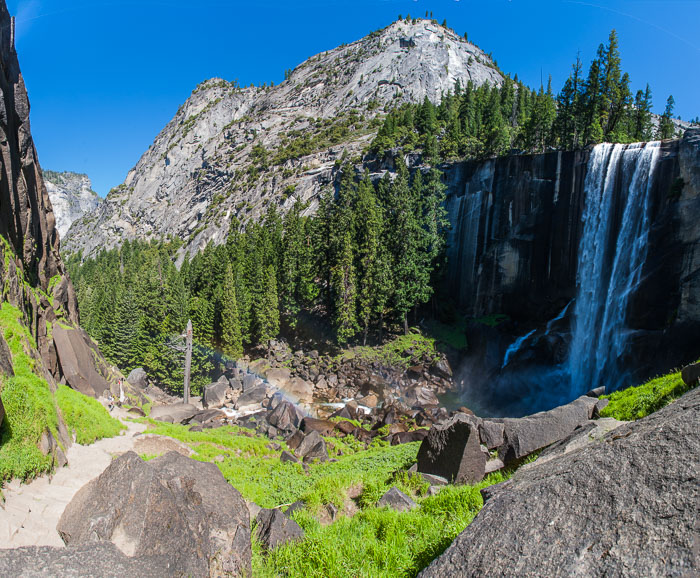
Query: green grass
256	471
492	320
397	353
29	405
637	402
376	541
85	416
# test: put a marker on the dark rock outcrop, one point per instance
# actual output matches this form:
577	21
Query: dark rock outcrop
171	506
312	447
624	506
452	450
273	529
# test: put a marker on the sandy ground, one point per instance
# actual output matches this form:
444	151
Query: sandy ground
31	511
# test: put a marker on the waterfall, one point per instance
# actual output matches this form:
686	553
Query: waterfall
514	347
559	317
618	181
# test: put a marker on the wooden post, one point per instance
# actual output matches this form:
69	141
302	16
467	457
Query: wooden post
188	362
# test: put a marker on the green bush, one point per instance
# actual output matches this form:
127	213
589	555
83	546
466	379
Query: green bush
86	417
637	402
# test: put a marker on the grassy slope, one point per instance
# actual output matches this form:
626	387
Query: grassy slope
637	402
86	417
375	542
31	407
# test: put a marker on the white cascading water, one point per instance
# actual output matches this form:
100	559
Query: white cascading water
514	347
609	266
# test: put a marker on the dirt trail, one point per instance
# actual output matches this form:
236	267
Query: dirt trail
31	511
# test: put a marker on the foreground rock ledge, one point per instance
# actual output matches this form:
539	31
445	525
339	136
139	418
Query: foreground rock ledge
625	506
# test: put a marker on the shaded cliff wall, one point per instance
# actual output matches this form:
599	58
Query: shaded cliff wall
31	267
514	243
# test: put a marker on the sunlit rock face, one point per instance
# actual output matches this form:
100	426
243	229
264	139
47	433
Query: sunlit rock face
195	176
71	197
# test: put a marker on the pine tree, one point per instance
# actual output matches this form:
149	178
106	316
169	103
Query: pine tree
268	313
231	338
343	276
666	127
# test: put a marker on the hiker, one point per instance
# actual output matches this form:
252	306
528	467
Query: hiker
122	397
110	401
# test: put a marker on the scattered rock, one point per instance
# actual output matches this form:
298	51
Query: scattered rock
493	465
177	412
597	392
434	480
5	358
295	440
285	417
312	447
273	529
442	368
417	435
136	411
396	500
452	450
215	394
295	507
322	426
252	396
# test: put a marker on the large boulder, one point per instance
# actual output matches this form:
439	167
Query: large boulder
323	426
452	450
252	396
173	413
138	378
624	506
300	389
171	506
273	529
312	447
525	435
285	417
691	374
215	394
77	362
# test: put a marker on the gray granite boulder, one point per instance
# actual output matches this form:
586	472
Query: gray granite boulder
525	435
171	506
625	505
312	447
215	394
75	358
273	529
691	374
452	450
173	413
396	500
138	378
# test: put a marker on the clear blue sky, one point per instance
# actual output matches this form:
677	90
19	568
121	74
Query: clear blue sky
105	76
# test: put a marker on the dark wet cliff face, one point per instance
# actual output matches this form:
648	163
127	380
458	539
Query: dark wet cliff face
516	249
31	264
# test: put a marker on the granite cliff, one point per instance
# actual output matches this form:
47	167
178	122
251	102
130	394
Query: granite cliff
71	197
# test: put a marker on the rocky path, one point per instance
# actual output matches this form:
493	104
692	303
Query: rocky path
31	511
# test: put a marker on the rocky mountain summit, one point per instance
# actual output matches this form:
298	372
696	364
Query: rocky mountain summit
71	196
231	151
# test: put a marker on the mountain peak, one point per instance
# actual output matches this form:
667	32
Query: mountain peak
230	151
